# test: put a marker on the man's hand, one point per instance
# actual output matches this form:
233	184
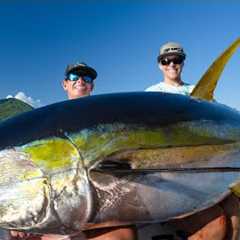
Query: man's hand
16	235
216	223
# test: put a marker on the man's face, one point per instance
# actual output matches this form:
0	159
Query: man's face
171	67
78	87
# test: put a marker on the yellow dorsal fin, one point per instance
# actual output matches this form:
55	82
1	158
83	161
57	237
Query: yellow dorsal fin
207	84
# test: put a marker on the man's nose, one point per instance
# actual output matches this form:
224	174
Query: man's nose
80	80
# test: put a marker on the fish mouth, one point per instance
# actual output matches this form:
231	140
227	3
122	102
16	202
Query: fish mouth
31	187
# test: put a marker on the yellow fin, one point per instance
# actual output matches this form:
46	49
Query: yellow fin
207	84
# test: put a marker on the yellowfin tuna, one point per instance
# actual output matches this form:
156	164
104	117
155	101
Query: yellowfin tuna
84	163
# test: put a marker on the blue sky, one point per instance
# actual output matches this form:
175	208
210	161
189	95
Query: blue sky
119	38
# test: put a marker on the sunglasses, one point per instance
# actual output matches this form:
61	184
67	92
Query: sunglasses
75	77
176	60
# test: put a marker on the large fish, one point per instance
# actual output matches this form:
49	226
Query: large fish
118	159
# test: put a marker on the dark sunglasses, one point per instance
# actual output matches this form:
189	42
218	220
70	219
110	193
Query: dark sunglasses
176	60
75	77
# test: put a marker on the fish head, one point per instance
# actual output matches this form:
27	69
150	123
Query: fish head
39	178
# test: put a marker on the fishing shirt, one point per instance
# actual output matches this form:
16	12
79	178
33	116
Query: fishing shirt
184	89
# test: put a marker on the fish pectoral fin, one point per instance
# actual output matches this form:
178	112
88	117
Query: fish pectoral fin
110	165
208	82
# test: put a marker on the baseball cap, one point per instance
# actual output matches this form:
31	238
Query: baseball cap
82	69
171	48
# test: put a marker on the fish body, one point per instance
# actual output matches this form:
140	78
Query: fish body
113	159
117	159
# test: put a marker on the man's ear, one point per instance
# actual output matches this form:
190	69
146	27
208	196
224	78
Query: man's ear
64	84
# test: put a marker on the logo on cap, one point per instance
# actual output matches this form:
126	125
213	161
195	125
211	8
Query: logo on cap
171	48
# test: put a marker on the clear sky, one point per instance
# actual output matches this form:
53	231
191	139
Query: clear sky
119	38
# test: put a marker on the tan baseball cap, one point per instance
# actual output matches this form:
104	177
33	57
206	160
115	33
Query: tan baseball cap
171	48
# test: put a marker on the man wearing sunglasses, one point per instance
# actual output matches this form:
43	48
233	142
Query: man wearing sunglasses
171	62
213	223
79	80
